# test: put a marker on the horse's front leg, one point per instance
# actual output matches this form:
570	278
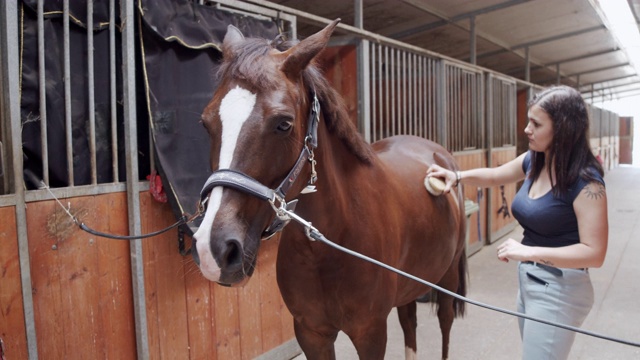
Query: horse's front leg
316	345
409	323
370	339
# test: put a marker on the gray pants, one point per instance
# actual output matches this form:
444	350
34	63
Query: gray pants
560	295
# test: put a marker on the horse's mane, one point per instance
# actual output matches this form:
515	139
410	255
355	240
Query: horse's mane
246	64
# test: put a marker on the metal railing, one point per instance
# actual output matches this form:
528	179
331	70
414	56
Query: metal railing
403	93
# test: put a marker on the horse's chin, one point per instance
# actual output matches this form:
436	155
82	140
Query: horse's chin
239	284
238	278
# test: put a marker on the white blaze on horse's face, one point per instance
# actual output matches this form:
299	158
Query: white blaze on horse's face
235	109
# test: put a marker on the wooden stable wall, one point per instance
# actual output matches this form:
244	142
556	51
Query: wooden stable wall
491	199
501	223
82	290
470	160
340	68
12	325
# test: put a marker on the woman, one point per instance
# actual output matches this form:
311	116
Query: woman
562	207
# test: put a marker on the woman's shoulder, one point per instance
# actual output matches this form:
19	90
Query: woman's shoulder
588	175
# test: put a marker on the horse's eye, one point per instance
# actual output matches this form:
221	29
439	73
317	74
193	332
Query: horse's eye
285	126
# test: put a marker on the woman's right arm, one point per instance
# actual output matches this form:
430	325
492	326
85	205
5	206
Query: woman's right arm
483	177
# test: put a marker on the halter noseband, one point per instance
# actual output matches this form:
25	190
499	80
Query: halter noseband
245	183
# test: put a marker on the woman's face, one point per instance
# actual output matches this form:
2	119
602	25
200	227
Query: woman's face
539	130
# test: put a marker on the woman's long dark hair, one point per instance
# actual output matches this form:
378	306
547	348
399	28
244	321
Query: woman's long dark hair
570	153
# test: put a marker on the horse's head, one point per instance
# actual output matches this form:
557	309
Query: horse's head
257	122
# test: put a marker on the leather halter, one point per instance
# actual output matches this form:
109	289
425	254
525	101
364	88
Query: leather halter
245	183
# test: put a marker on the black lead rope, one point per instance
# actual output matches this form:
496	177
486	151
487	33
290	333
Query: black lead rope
183	220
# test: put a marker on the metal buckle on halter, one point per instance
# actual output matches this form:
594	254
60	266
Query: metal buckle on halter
282	218
202	205
279	207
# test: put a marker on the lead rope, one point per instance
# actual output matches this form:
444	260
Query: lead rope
314	234
183	220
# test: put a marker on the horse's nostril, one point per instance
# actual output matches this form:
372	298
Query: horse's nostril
232	255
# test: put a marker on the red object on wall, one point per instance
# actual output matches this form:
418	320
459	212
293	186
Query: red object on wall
155	187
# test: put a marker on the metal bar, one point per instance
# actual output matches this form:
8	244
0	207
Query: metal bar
420	97
603	96
543	40
599	69
472	40
113	87
394	85
42	82
415	103
81	190
527	65
441	103
67	94
433	100
489	158
10	110
403	82
364	89
456	103
374	96
405	92
615	86
445	20
91	93
386	94
358	20
607	80
379	124
127	16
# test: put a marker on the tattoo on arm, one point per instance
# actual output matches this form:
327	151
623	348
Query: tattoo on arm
595	191
546	262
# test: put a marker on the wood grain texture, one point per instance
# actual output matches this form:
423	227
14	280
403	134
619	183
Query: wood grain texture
81	283
12	325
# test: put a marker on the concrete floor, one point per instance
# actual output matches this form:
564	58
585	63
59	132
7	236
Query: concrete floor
485	334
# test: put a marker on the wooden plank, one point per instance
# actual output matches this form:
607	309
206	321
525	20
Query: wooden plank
250	315
227	322
114	279
150	286
45	278
78	260
200	312
472	160
82	287
164	268
270	298
499	221
340	67
12	326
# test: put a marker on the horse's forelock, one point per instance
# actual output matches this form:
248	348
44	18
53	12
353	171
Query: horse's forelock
246	61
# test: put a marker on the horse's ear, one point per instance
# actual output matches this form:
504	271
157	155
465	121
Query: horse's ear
301	54
232	37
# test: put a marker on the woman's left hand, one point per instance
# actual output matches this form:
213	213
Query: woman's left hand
513	250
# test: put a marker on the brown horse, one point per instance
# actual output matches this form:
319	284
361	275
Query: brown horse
275	123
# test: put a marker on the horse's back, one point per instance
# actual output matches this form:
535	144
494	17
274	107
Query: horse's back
401	151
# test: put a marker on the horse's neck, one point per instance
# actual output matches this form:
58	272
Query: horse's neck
340	175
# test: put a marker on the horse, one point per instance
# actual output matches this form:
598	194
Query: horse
273	121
